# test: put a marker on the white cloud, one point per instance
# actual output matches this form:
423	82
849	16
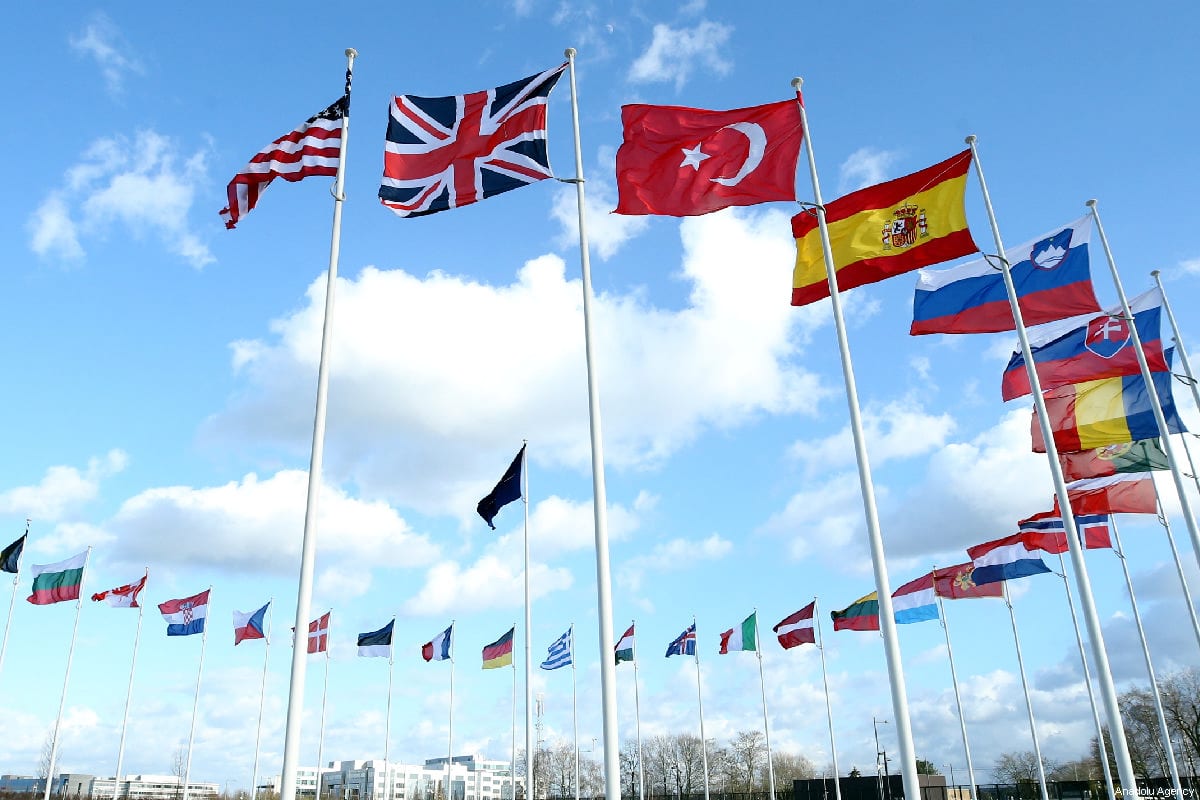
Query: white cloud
898	430
606	231
672	556
1190	266
489	583
103	42
62	489
139	184
675	53
866	166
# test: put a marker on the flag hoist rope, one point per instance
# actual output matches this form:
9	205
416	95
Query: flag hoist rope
13	601
187	769
837	783
262	699
137	637
962	717
1037	745
67	678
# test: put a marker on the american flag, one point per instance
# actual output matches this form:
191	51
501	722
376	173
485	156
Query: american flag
684	644
446	152
314	148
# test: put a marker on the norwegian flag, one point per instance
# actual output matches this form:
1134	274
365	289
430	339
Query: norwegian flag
123	596
446	152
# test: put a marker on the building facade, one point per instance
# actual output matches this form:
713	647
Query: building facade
149	787
471	778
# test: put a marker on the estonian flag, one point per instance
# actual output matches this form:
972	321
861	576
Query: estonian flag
376	643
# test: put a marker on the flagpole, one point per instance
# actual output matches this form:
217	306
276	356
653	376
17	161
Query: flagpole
700	704
1155	403
1187	594
962	717
1087	602
1037	747
762	685
62	702
1087	681
512	763
1158	707
574	709
387	726
137	637
887	622
637	716
324	697
187	769
308	552
608	667
450	735
262	697
837	781
13	600
1179	348
529	755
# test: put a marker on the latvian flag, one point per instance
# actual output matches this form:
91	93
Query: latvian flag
797	629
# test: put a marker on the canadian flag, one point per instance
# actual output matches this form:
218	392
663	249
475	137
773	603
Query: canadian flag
123	596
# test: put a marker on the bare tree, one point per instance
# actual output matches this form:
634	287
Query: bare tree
792	767
1018	767
749	753
1181	702
179	768
629	768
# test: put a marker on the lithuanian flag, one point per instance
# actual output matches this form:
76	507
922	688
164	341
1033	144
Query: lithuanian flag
861	615
885	230
58	582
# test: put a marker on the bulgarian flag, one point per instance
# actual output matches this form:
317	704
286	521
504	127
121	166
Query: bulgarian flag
624	647
59	582
744	637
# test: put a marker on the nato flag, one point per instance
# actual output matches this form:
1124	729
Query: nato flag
507	490
10	557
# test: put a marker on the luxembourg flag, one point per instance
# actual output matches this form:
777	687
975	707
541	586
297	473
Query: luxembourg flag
1004	559
915	601
249	626
439	648
186	615
1050	275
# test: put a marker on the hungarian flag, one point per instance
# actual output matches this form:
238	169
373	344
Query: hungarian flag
797	629
681	162
1112	459
122	596
958	583
58	582
743	637
1128	493
885	230
623	650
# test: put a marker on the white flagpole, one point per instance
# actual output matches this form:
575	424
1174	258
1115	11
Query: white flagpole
1187	594
887	622
1037	746
13	601
387	727
187	769
450	735
308	552
837	782
1179	348
700	704
608	667
574	708
512	763
1136	340
1158	708
529	754
324	697
137	637
1104	678
1087	681
637	716
262	697
962	717
66	679
762	685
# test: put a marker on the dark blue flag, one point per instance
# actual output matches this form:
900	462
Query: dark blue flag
10	557
684	644
506	491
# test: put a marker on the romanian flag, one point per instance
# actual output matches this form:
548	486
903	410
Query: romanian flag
499	652
58	582
861	615
1093	414
885	230
1114	459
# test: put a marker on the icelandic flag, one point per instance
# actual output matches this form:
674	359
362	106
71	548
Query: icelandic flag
1050	275
684	644
249	626
186	615
439	648
1004	559
1100	347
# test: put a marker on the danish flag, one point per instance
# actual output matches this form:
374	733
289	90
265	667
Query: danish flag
318	634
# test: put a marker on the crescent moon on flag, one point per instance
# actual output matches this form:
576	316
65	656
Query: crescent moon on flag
758	147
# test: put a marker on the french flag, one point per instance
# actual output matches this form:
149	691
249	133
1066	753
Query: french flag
1004	559
439	648
1101	347
1050	274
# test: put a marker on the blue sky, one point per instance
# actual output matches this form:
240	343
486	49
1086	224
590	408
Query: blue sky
161	370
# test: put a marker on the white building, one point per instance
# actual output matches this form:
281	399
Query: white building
471	778
150	787
306	782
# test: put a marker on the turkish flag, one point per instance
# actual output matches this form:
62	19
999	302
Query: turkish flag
686	161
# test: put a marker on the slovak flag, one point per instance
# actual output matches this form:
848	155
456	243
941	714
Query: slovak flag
186	615
123	596
249	626
439	648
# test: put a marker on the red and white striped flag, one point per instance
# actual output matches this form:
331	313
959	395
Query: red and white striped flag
123	596
314	148
797	629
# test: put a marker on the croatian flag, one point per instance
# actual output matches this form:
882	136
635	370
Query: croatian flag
1004	559
1046	531
186	615
797	629
439	648
1050	275
249	626
915	601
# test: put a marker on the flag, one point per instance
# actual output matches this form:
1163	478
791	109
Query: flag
314	148
915	601
122	596
1050	275
885	230
624	648
797	629
439	648
447	152
1111	459
560	653
499	652
1092	414
1004	559
10	557
318	634
861	615
506	491
249	626
1046	531
376	644
743	637
958	583
186	615
1125	493
685	161
57	582
684	644
1101	347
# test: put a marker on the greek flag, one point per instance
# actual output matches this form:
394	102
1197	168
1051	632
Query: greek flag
559	654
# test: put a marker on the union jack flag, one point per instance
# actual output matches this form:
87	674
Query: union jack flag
684	644
446	152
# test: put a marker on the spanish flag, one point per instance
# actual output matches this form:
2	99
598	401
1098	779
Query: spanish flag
885	230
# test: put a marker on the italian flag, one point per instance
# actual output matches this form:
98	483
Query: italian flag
624	648
57	583
744	637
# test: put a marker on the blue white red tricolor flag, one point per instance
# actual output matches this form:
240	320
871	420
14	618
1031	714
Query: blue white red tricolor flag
250	625
186	615
446	152
438	649
1046	531
684	644
1004	559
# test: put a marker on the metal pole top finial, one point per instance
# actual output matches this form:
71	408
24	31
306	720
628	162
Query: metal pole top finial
351	52
1154	273
1091	203
569	52
970	139
797	82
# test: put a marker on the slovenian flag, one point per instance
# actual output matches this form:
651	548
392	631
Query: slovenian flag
624	648
1050	275
249	626
57	582
743	637
185	616
439	648
797	629
1004	559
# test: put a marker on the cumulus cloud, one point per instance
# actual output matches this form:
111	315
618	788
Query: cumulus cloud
102	42
672	556
896	430
675	53
866	166
607	231
62	489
